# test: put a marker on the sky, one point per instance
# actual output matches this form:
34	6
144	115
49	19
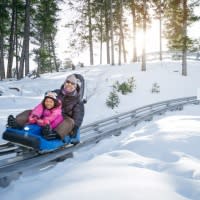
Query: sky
155	160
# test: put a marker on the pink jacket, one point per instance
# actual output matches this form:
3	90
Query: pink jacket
53	116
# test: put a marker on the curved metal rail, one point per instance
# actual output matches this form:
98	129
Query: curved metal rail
12	167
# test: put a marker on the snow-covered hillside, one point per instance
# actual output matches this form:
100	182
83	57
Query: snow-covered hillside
155	160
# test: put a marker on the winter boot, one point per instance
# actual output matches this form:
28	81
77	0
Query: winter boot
12	122
49	134
75	136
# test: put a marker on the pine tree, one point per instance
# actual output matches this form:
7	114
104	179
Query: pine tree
179	15
45	20
113	100
4	21
158	7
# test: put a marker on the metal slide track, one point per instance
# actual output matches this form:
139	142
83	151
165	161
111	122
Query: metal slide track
18	160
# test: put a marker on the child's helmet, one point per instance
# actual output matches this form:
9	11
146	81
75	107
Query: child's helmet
53	96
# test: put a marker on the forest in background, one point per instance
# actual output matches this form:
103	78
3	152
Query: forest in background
34	22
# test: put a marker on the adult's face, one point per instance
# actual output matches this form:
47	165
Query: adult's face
69	86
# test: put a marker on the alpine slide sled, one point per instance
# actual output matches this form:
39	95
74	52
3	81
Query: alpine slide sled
26	149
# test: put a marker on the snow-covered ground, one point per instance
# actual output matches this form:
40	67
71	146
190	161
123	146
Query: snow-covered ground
155	160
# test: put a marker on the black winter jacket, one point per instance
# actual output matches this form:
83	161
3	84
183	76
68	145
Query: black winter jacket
72	106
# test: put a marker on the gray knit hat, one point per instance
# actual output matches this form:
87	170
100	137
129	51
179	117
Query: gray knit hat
71	78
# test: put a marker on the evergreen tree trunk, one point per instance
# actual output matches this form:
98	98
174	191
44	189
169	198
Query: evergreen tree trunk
16	46
24	59
50	55
2	33
11	42
134	31
123	45
111	29
184	56
27	35
160	22
121	31
38	63
21	62
90	35
144	39
107	33
39	58
120	51
2	68
54	55
101	32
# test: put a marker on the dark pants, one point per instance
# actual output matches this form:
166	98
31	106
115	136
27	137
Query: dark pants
63	129
22	118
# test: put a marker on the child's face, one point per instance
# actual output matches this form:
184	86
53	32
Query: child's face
49	103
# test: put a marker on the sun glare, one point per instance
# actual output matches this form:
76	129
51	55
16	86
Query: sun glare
152	39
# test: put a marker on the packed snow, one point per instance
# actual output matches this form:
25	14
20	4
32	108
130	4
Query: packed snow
154	160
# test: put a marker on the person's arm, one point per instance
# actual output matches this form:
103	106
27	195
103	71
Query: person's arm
78	114
49	119
37	111
35	114
55	113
